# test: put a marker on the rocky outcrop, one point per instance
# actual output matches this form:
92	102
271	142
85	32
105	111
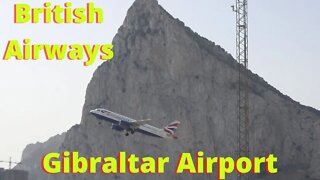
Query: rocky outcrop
32	156
164	71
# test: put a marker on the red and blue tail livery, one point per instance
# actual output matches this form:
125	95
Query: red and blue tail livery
172	128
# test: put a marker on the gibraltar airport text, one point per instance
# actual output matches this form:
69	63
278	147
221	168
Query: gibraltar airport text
199	163
48	13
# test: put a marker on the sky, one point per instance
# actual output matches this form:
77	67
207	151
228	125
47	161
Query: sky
41	99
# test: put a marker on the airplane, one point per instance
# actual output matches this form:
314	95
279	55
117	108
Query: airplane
125	124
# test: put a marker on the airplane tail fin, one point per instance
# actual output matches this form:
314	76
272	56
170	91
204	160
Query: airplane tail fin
171	129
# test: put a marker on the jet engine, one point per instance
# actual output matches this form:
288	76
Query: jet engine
116	127
124	124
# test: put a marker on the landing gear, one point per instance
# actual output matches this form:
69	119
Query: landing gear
128	131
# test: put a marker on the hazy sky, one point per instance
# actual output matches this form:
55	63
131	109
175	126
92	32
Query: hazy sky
41	99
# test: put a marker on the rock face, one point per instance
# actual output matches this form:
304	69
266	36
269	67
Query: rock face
164	71
33	153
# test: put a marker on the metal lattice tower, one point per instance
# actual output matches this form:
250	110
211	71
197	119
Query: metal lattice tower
241	10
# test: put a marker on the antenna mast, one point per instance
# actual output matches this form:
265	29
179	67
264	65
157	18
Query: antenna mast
241	10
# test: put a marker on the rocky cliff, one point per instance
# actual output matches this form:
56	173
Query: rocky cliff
33	153
164	71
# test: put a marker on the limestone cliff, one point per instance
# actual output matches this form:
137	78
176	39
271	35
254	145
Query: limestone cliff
164	71
33	153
